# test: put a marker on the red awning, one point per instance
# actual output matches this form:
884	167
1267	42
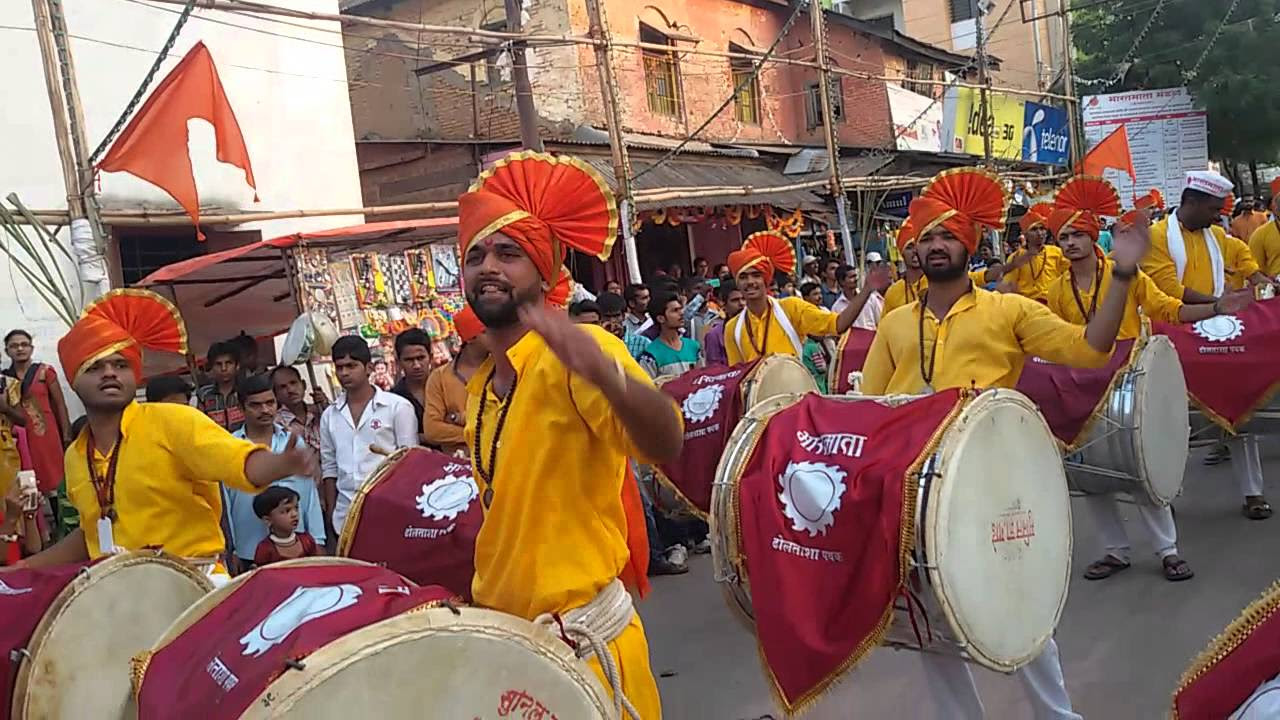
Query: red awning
247	288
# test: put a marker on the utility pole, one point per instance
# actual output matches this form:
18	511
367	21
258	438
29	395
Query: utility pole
520	75
1069	85
599	30
829	126
88	236
984	79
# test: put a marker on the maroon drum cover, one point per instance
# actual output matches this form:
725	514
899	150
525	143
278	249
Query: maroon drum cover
1230	361
25	595
418	515
1226	673
1069	398
711	401
224	652
851	353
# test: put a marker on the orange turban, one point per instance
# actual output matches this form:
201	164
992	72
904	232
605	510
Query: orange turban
1080	204
559	295
906	234
123	321
1036	216
766	251
1229	205
1275	193
961	201
467	324
545	203
1152	200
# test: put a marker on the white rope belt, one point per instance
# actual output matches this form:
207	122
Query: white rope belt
589	630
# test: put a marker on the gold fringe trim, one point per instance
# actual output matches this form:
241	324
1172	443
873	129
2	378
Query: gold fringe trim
1256	613
138	665
347	536
1139	344
668	484
1234	428
906	544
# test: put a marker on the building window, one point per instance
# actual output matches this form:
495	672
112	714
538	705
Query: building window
917	71
962	10
661	74
746	105
813	103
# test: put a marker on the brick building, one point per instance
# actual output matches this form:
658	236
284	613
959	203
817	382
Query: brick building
428	112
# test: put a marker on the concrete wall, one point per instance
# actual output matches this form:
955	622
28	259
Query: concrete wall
1012	41
289	94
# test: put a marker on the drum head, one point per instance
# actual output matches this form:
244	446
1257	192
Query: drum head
998	530
297	344
778	375
80	651
324	333
468	663
1162	424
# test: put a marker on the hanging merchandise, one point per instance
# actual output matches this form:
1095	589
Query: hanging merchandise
344	294
422	280
445	267
733	214
371	285
399	285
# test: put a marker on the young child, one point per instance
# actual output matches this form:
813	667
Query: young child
277	506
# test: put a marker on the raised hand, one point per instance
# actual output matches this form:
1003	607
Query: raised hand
1130	242
572	345
879	279
299	458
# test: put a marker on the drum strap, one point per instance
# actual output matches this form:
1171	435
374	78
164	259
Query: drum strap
589	630
1178	253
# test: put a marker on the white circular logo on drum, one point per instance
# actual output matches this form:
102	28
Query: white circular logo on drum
810	495
1220	328
448	496
702	403
303	606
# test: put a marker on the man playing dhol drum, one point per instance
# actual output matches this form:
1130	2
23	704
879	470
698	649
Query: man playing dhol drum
552	418
147	474
1033	268
907	289
769	326
983	340
1194	259
1076	222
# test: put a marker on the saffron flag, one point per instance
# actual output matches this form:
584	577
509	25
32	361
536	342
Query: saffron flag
1112	152
154	144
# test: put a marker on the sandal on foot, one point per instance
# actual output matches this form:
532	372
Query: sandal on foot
1105	568
1176	569
1256	509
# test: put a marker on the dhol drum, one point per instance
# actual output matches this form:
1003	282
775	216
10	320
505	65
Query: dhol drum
992	552
418	515
1138	444
83	624
712	400
334	637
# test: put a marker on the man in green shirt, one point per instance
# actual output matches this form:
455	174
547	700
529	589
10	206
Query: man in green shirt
670	353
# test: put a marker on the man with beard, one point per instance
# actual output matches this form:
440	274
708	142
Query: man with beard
1031	269
1074	296
148	474
989	337
770	326
907	289
1194	259
563	530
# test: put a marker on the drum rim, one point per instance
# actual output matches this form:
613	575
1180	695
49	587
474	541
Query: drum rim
1139	451
380	473
938	582
87	577
833	372
770	360
189	617
342	652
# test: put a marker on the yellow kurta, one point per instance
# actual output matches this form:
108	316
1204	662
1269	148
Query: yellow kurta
171	464
1264	245
1033	279
806	318
983	341
1237	261
901	292
10	461
556	532
1143	293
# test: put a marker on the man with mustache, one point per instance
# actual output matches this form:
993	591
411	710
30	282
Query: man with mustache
1077	222
908	288
1193	258
769	326
988	338
553	416
1033	268
148	474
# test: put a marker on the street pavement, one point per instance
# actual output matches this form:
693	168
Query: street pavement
1124	641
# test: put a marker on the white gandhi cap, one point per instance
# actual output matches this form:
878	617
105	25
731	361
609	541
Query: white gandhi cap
1210	183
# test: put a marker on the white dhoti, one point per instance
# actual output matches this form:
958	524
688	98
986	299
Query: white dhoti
1161	529
951	683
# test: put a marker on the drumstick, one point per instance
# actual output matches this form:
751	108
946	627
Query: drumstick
379	450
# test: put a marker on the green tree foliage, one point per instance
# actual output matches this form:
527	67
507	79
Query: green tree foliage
1238	82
